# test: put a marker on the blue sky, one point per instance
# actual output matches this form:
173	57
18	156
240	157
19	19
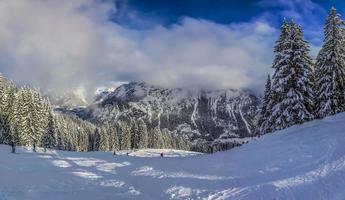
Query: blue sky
146	14
82	45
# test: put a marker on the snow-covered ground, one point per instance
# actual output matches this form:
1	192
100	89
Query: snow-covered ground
302	162
157	153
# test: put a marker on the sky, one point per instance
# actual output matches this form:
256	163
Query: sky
82	45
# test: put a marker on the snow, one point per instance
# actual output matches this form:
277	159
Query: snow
301	162
157	153
194	114
244	120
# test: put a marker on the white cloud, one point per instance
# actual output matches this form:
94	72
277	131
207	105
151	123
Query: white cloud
68	44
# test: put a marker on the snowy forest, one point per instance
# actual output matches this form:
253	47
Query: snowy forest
28	119
299	89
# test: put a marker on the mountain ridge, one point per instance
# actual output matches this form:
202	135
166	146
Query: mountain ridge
211	120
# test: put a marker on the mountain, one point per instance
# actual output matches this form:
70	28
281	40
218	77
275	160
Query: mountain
211	120
301	162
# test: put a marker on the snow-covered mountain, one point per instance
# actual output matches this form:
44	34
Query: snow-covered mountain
212	120
302	162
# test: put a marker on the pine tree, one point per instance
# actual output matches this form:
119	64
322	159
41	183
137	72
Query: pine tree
135	137
49	139
167	139
105	138
264	111
7	104
114	138
157	140
142	135
96	140
125	139
329	69
39	116
292	86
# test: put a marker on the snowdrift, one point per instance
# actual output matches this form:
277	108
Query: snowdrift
303	162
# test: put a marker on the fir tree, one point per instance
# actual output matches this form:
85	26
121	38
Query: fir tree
292	86
264	111
142	135
157	139
135	135
125	139
50	137
329	69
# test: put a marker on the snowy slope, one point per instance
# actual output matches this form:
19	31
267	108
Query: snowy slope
302	162
157	153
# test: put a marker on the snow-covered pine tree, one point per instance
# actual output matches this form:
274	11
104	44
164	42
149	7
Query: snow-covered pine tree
157	139
38	117
265	110
97	139
134	135
142	135
114	137
61	132
125	139
292	83
23	120
7	99
42	108
49	139
167	139
105	138
329	69
12	117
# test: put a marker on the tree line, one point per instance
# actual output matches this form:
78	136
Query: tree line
28	119
299	89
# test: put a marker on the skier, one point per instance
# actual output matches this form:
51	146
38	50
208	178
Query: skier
34	147
114	152
162	155
13	147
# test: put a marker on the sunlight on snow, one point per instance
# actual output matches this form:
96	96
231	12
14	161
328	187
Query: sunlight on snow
149	171
61	163
87	174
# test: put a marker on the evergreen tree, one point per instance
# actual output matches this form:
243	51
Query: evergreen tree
7	112
114	138
142	135
157	139
167	139
292	86
264	110
125	139
49	139
135	137
105	138
329	69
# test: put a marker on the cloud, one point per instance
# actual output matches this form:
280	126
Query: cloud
199	53
67	44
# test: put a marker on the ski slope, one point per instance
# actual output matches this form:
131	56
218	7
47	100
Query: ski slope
302	162
169	153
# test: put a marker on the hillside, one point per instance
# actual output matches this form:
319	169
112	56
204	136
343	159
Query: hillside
212	120
301	162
